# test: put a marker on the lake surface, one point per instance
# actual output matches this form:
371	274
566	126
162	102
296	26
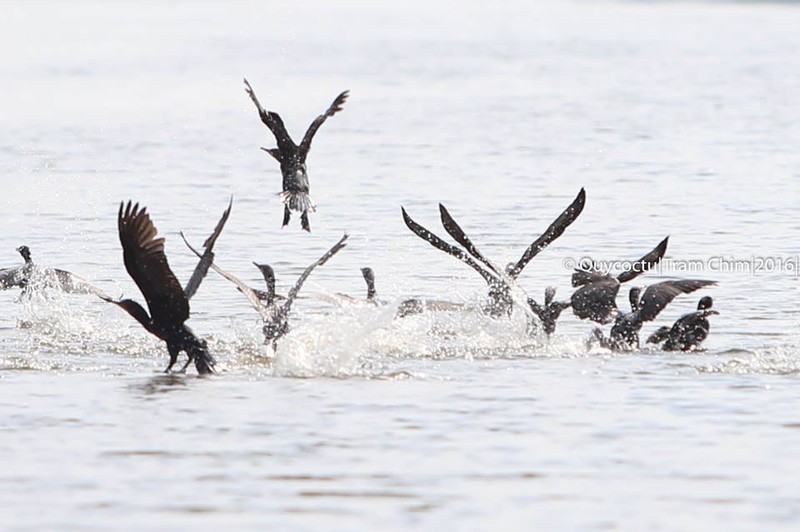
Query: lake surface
679	119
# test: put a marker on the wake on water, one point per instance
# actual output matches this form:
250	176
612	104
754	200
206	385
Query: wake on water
65	332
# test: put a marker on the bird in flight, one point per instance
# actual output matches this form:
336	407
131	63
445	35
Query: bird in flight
292	157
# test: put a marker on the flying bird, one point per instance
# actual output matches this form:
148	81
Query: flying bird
595	299
29	276
274	311
499	281
167	301
292	157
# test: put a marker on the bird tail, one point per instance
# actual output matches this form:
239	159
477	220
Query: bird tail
298	201
203	360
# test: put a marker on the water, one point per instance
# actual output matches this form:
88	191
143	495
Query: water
679	119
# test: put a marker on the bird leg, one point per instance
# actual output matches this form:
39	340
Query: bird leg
189	360
173	357
304	221
286	215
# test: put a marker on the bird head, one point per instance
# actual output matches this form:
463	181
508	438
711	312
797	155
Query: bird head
25	252
549	294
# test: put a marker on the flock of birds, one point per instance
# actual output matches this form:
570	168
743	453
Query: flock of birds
168	302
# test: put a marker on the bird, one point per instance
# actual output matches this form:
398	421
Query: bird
595	299
688	332
274	312
29	276
645	306
550	311
499	281
412	306
292	157
168	303
338	298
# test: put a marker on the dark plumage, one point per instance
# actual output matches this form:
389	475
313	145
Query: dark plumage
689	331
596	298
292	157
274	315
167	301
550	311
625	332
500	282
369	278
29	275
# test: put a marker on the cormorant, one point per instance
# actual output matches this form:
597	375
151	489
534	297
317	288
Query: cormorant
596	298
500	282
274	315
550	311
29	276
625	332
292	157
410	307
339	298
168	302
688	332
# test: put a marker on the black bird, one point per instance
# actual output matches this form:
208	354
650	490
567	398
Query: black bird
688	332
29	276
499	282
168	302
274	315
339	298
596	298
625	332
550	311
292	157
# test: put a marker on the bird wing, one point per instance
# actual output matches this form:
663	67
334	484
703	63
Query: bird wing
596	301
69	282
657	296
207	258
253	296
334	108
536	308
581	277
9	277
273	122
646	263
555	230
147	265
440	244
454	230
290	297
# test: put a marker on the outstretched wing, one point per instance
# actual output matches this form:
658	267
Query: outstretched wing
147	265
440	244
659	295
207	258
555	230
646	263
69	282
251	294
273	122
334	108
454	230
10	277
290	297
